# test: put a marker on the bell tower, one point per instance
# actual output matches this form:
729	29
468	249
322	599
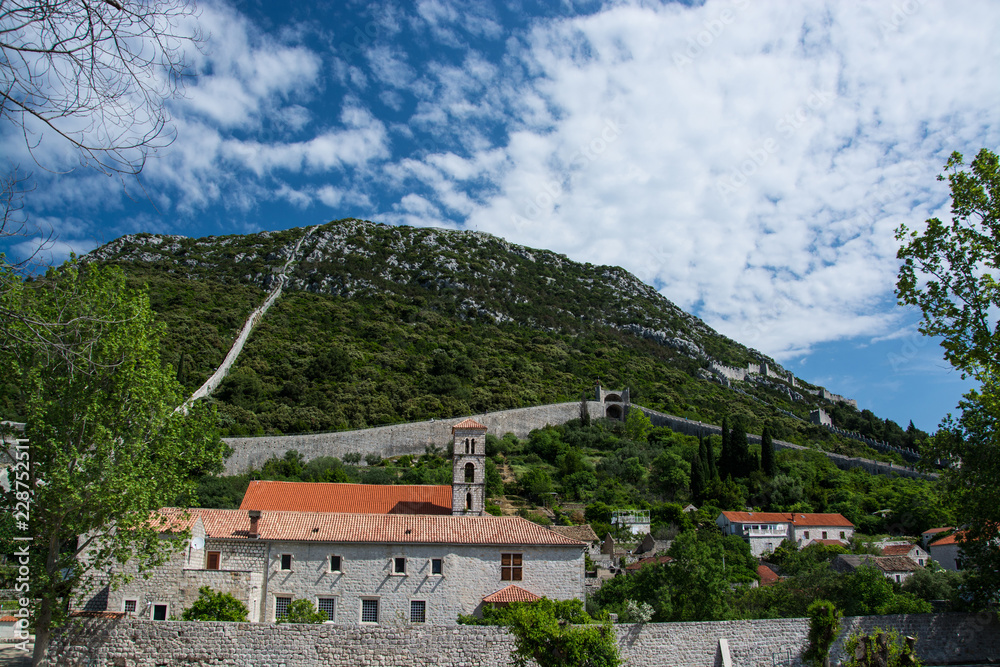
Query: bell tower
468	484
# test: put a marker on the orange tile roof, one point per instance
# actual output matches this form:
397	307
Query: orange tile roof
386	528
946	540
897	549
786	517
767	575
468	423
583	533
353	498
511	593
8	619
935	531
652	560
97	614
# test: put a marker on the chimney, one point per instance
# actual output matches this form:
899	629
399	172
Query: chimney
254	520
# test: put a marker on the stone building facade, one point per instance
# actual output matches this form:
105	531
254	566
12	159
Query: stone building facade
362	554
765	531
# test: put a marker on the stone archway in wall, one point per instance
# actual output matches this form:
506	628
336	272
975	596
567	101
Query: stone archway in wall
612	398
613	412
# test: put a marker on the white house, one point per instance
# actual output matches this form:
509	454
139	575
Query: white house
765	531
947	551
912	551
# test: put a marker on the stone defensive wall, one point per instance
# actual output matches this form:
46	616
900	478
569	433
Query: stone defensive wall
696	428
397	439
414	437
943	639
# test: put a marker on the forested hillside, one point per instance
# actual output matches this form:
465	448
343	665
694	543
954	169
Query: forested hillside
382	324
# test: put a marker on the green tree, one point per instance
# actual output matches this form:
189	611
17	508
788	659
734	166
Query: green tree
824	626
949	272
215	606
302	611
768	463
637	425
107	442
542	637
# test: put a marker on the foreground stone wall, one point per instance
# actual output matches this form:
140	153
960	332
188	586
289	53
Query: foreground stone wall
943	639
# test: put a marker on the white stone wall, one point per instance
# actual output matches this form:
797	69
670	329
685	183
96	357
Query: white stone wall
947	556
942	639
470	573
802	535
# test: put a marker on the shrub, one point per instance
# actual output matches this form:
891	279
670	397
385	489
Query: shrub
214	606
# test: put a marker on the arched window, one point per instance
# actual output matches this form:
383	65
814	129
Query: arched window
470	472
473	445
466	445
468	501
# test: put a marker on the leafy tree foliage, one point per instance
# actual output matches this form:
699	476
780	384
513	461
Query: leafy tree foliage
824	626
553	633
949	272
215	606
107	443
302	611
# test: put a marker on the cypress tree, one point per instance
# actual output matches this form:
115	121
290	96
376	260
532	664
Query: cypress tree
711	472
725	456
741	460
768	463
697	478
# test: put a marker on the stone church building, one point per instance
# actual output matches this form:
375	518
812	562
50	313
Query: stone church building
362	554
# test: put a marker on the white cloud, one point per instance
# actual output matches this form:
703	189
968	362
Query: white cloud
751	159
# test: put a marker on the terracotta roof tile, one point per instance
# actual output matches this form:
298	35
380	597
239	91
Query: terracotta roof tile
935	531
353	498
97	614
385	528
897	549
511	593
583	533
8	619
786	517
468	423
946	540
652	560
767	575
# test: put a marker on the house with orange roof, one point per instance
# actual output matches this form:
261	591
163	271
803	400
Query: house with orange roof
362	554
946	549
914	552
765	531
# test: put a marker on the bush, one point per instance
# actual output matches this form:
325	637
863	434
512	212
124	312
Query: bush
302	611
213	606
824	626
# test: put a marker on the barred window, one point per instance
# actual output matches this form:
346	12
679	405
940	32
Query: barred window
130	606
281	607
510	567
327	606
418	611
369	611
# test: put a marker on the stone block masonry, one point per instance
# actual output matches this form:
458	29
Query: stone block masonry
942	639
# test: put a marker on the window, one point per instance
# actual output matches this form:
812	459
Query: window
921	561
468	502
437	566
473	445
129	607
286	561
418	611
159	612
399	565
327	606
212	560
824	534
510	567
335	564
470	473
806	534
281	606
369	610
842	535
897	578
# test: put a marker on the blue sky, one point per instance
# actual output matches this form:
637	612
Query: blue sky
748	159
